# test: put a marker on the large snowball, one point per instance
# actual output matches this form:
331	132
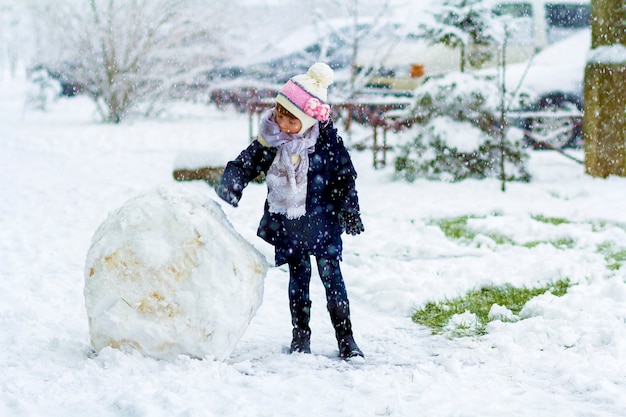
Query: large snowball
167	274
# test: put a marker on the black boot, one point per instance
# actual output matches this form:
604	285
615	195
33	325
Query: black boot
300	316
340	317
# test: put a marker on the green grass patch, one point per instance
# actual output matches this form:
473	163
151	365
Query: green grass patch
437	315
500	239
550	220
600	225
533	243
563	243
456	228
614	257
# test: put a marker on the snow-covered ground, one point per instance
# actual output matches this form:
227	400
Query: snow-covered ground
62	172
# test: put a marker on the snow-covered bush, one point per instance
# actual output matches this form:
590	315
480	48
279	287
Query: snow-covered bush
43	90
457	127
449	150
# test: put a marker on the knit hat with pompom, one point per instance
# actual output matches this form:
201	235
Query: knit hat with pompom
305	95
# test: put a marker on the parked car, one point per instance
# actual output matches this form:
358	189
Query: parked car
556	77
330	41
532	26
546	53
327	41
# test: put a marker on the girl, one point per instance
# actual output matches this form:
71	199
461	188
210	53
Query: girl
311	199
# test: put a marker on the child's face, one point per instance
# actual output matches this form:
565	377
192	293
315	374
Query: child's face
288	124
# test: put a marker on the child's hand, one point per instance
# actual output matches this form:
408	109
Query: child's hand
351	223
227	195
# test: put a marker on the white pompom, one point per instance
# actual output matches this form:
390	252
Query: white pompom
321	73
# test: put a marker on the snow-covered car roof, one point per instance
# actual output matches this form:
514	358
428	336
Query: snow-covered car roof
558	67
325	40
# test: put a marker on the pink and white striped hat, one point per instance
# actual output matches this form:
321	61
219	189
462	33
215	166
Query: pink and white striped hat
305	95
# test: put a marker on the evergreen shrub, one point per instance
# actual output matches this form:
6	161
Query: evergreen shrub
457	133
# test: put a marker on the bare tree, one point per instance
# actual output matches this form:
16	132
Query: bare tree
14	35
604	120
371	28
131	53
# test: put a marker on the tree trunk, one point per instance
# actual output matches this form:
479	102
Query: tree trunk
462	57
604	119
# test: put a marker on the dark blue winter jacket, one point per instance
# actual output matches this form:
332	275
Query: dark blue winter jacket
331	193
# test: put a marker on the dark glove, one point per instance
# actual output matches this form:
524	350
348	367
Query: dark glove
227	195
351	223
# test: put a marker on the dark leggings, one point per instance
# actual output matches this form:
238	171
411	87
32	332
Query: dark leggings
300	279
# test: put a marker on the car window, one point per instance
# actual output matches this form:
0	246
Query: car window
565	19
519	19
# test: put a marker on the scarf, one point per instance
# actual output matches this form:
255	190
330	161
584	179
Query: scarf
287	177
